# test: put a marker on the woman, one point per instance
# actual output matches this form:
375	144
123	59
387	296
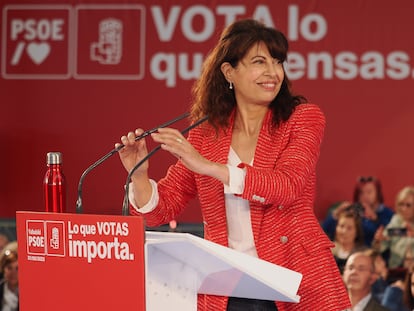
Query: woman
409	289
369	203
398	235
383	277
368	192
252	167
400	295
348	237
9	285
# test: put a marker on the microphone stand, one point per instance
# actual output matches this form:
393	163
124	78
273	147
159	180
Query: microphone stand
125	206
79	205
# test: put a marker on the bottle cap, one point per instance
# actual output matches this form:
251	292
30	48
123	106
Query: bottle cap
54	158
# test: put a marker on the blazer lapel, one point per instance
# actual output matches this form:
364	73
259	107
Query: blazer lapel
268	150
215	149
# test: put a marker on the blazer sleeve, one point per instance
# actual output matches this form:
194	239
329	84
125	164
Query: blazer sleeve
174	190
296	166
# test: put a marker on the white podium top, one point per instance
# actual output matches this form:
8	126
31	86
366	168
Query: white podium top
183	265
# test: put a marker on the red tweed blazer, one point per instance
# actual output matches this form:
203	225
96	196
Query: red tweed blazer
281	189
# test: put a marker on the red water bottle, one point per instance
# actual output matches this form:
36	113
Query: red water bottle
54	184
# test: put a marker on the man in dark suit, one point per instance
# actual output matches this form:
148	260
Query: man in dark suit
359	275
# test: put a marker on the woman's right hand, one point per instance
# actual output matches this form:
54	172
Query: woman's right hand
341	207
379	236
133	152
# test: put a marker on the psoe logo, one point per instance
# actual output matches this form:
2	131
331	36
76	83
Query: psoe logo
55	238
46	238
36	42
35	231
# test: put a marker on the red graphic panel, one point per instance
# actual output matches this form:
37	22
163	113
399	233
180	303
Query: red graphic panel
360	71
110	42
84	254
36	41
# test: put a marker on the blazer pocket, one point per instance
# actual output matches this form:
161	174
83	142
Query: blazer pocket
314	243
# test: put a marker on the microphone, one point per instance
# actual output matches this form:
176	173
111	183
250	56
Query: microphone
79	205
125	206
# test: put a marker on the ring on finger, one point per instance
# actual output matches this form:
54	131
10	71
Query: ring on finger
178	139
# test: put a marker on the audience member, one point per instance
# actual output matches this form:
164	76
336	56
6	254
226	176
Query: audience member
3	241
348	237
359	276
400	296
409	289
9	285
398	235
369	202
408	262
382	275
11	246
330	222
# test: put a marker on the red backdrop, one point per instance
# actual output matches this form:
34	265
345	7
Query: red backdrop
76	75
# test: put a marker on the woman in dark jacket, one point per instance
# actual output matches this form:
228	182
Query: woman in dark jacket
9	285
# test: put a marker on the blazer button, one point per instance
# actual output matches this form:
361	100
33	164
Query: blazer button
280	207
284	239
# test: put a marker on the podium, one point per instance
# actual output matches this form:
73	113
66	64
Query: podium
80	262
104	262
181	265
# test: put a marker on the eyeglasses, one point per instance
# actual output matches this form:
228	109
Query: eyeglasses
365	179
357	268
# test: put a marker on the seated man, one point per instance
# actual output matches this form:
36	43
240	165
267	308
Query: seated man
359	275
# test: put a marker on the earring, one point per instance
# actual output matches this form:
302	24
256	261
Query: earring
230	85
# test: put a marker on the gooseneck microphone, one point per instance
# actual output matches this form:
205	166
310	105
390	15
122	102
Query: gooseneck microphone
125	206
79	205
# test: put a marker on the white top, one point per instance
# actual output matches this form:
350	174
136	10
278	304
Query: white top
239	224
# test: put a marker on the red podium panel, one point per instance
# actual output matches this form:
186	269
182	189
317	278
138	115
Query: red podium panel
80	262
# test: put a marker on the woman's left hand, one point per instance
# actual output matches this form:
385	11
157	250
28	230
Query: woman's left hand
173	141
